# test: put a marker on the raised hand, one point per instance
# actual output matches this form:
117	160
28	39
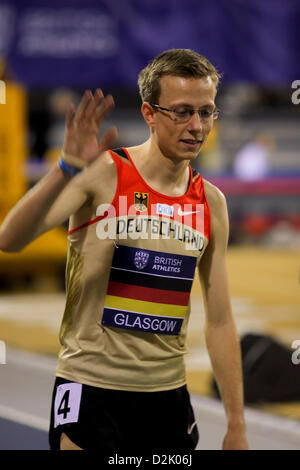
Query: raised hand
82	127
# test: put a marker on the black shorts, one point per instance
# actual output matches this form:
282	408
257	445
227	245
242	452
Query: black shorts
111	421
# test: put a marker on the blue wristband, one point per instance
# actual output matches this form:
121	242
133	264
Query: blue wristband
68	169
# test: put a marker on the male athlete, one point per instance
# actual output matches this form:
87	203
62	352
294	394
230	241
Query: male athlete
141	222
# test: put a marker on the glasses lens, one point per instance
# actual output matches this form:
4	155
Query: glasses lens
182	115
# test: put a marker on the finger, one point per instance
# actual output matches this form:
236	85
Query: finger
70	115
87	97
97	101
104	108
108	138
98	96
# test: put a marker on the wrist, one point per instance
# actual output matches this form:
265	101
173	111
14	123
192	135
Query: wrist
73	161
68	169
237	424
70	164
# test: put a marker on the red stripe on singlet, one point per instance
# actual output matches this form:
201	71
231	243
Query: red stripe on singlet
147	293
91	222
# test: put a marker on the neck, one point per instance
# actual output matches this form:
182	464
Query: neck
162	173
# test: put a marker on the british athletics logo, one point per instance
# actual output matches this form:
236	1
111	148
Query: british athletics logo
141	259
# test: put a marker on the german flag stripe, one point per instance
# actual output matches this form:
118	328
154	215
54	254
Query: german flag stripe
150	280
148	294
140	306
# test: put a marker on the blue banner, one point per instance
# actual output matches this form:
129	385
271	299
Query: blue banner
99	43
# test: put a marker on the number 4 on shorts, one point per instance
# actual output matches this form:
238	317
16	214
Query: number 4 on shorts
64	410
67	403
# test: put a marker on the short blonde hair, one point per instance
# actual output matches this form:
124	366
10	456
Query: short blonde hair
177	62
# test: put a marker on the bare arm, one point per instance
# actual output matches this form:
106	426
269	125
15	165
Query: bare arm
220	331
26	220
57	195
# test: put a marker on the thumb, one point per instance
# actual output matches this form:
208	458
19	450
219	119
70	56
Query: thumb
108	138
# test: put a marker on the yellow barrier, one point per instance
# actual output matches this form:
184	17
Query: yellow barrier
50	248
13	153
49	251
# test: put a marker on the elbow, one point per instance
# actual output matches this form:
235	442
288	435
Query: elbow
2	246
7	247
10	250
11	241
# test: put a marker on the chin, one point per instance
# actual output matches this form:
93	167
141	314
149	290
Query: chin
191	154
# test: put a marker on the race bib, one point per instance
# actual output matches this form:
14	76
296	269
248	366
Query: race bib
67	403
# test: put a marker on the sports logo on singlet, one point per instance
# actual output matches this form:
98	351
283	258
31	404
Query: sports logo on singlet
141	201
148	290
141	259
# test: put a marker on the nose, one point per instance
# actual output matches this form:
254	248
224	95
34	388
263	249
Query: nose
195	123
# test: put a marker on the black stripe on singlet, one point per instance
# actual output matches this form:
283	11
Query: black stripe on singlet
121	152
194	172
146	280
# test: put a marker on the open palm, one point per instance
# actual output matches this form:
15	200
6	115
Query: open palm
82	127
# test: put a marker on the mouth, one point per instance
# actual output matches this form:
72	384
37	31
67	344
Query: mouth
192	143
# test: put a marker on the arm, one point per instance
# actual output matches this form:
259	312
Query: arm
220	331
57	195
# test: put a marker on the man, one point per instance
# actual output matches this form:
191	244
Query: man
141	223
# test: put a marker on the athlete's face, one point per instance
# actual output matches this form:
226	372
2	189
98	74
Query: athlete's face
176	139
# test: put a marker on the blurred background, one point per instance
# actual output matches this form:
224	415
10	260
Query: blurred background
51	51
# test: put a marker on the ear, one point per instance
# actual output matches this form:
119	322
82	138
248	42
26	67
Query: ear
148	114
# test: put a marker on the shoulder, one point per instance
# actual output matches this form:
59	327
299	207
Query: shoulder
215	197
104	166
218	207
98	179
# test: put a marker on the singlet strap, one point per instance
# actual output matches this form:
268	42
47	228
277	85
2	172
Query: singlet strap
121	152
195	174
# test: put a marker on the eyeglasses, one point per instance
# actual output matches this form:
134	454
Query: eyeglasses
184	114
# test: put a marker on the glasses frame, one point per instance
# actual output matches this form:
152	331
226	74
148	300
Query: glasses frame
214	114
